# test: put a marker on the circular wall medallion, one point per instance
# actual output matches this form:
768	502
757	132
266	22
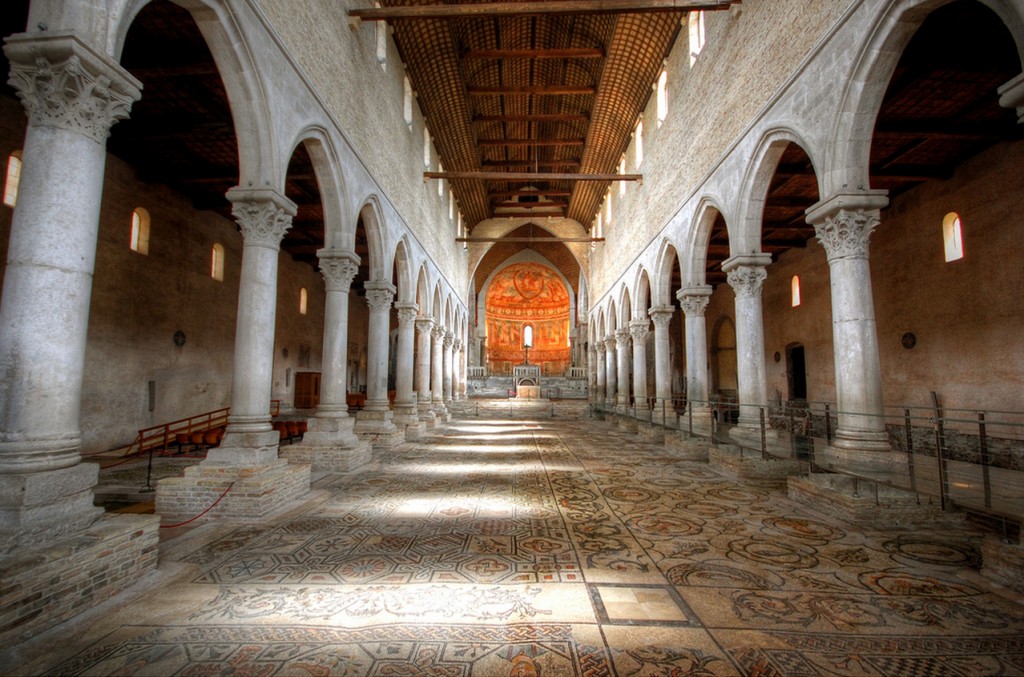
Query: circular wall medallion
179	338
908	340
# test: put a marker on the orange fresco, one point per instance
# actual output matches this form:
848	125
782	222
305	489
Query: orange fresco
528	294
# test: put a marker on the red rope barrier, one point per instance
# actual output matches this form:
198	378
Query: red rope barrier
181	524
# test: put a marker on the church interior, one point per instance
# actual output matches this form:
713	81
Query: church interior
512	337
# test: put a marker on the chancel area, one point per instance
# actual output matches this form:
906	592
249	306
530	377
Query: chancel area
512	338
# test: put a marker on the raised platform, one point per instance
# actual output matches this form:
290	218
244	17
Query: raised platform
745	464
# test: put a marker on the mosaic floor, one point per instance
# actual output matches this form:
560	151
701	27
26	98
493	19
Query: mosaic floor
524	543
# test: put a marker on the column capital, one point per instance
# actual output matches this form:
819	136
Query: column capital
844	222
438	331
610	342
379	295
65	83
746	274
457	345
598	347
661	316
694	300
449	339
639	329
407	312
338	268
424	325
622	338
263	215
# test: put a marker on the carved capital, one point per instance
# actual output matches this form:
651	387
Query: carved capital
457	345
610	343
379	296
407	313
438	332
64	83
661	316
694	306
622	338
263	215
425	325
845	233
639	329
599	348
449	339
338	269
746	281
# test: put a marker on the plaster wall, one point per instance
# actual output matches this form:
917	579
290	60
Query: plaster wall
299	338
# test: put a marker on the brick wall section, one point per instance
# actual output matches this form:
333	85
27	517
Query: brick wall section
44	586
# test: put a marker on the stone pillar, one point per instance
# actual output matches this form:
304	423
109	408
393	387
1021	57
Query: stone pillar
611	369
424	327
622	341
662	317
245	469
437	374
456	369
638	330
72	96
374	421
600	365
746	275
843	224
446	365
329	444
405	413
694	302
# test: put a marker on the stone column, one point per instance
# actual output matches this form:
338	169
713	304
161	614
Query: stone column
446	365
374	421
622	341
329	444
611	369
456	369
694	302
662	317
72	96
405	413
600	365
638	330
746	275
844	224
437	373
424	327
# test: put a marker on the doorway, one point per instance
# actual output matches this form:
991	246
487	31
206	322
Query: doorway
796	372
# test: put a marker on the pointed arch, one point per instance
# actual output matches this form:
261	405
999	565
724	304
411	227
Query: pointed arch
423	291
641	293
338	227
403	271
695	265
661	291
373	225
625	307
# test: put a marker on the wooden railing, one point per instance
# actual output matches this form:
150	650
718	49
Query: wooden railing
164	435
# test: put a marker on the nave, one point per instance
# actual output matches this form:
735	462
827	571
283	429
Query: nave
537	540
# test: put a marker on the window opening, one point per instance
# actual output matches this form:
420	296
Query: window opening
795	291
639	141
381	36
622	170
217	262
426	148
697	35
407	101
952	237
13	179
303	300
140	231
608	207
440	182
662	96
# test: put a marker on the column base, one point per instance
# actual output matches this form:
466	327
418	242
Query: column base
748	465
377	428
868	504
47	585
441	412
40	507
414	431
872	458
687	447
329	446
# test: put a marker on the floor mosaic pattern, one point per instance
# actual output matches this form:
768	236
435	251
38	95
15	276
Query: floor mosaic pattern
539	541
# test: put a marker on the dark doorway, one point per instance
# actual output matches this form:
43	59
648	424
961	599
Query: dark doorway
796	372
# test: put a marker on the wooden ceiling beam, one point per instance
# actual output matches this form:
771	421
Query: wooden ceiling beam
530	176
498	204
528	164
510	213
472	240
534	8
531	90
566	53
545	193
550	117
492	143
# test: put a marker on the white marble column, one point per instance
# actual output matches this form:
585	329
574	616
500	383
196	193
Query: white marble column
72	96
424	405
375	418
405	397
844	224
638	330
746	275
446	365
456	369
330	444
611	369
662	317
694	302
437	373
622	341
600	365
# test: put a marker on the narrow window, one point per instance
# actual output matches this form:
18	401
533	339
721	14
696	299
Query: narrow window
528	336
13	178
662	96
140	231
381	36
639	141
217	262
426	148
795	291
622	170
952	237
608	207
303	299
451	205
440	182
407	101
600	224
697	37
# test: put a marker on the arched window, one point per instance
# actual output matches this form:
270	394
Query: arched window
608	207
795	291
662	96
407	101
639	141
13	178
440	182
217	262
303	300
528	335
426	148
697	36
952	237
140	231
622	170
451	205
381	43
